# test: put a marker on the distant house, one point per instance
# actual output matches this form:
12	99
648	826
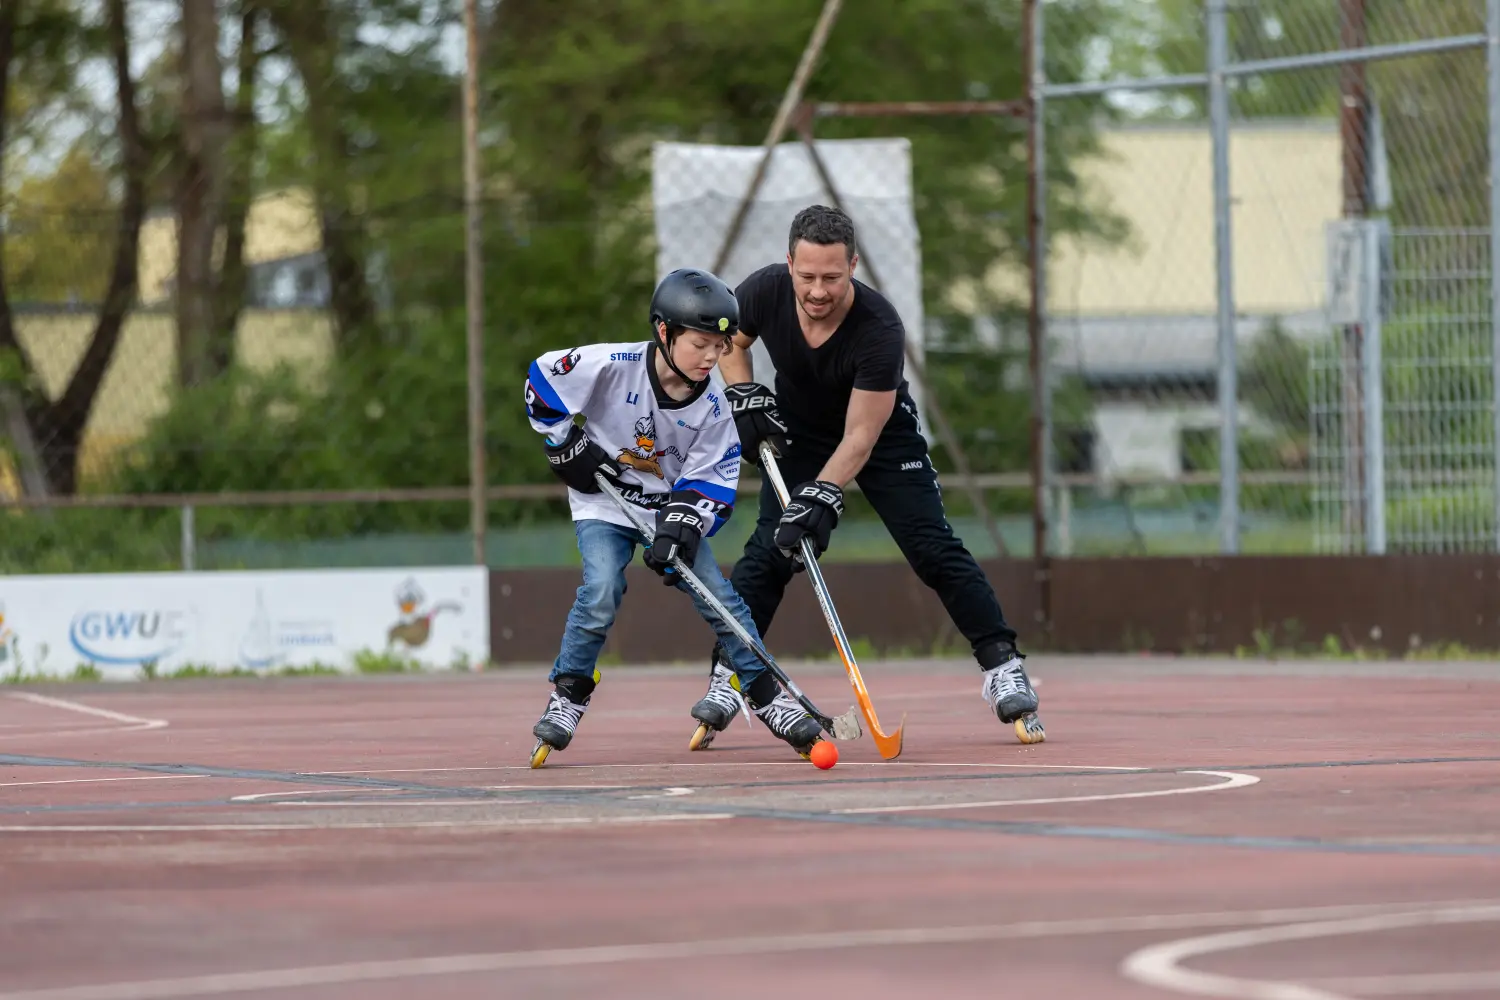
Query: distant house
283	251
1137	323
284	320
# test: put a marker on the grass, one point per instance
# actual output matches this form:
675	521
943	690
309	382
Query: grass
364	661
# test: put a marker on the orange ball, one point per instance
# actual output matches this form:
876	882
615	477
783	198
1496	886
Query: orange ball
824	754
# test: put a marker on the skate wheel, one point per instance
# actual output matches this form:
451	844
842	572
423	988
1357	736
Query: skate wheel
1029	729
539	755
702	738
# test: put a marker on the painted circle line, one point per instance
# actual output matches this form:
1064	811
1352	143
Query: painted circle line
1160	965
224	984
1233	779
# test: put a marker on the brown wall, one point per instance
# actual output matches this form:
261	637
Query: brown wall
1187	604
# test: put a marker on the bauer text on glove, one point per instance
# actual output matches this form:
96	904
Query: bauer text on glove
679	529
812	511
577	459
756	419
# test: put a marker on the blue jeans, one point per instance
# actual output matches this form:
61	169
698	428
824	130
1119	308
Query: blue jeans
607	549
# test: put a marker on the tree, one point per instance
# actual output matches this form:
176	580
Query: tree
205	129
370	124
59	246
46	432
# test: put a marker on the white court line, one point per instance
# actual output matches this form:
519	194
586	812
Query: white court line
258	796
130	722
1233	779
1160	964
416	824
568	958
383	803
95	781
1436	982
732	763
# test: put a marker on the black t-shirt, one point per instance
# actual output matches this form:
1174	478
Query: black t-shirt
813	385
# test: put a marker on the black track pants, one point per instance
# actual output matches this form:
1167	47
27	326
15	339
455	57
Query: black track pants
902	486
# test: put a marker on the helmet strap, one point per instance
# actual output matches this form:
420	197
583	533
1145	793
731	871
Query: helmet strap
671	338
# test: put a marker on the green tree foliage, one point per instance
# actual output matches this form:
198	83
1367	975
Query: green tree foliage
368	118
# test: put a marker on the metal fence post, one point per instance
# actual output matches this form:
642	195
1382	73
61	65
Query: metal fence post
189	539
1228	382
1372	376
1492	65
1036	333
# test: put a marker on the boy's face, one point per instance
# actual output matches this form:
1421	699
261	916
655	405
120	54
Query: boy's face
696	353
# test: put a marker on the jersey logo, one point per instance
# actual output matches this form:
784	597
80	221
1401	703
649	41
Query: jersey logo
728	467
567	362
644	457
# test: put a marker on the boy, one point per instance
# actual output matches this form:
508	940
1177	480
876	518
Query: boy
660	431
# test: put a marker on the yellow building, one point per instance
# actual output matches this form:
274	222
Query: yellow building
1138	321
283	321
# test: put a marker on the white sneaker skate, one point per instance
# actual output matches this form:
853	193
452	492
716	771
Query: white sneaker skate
1009	693
718	706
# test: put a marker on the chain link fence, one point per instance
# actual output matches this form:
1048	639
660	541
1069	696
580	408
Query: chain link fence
1324	384
299	399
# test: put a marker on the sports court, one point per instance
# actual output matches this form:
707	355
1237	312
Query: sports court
1190	828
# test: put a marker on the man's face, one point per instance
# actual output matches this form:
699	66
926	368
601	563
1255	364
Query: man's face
820	276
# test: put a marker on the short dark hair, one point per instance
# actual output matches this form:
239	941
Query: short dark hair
824	226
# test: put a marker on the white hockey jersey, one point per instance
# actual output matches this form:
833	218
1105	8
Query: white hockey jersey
665	445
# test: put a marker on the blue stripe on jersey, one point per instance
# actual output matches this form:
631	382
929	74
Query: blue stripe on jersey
546	393
715	492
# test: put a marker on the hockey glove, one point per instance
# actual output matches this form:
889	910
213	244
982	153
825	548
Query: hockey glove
756	418
679	529
812	511
577	459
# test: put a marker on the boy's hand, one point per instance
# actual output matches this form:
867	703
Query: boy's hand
679	529
577	459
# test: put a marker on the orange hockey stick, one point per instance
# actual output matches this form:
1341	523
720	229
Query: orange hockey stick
889	746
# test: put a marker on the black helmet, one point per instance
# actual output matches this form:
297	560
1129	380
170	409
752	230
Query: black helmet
695	300
691	299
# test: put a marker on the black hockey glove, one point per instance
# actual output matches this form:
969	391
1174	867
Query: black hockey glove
756	418
679	529
812	511
577	459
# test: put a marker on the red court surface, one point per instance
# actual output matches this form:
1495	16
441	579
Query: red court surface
1190	828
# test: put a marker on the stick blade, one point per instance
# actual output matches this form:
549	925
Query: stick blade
846	726
889	746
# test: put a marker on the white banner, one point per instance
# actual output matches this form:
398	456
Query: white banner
696	189
264	621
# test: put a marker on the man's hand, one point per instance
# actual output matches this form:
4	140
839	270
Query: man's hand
756	419
577	459
679	529
812	511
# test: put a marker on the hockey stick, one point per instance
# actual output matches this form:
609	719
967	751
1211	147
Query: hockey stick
843	727
889	746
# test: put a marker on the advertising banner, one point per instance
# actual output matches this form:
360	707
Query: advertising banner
130	625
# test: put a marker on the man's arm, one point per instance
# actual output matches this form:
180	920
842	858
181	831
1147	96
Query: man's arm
865	419
738	365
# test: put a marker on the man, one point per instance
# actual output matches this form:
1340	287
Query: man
842	413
